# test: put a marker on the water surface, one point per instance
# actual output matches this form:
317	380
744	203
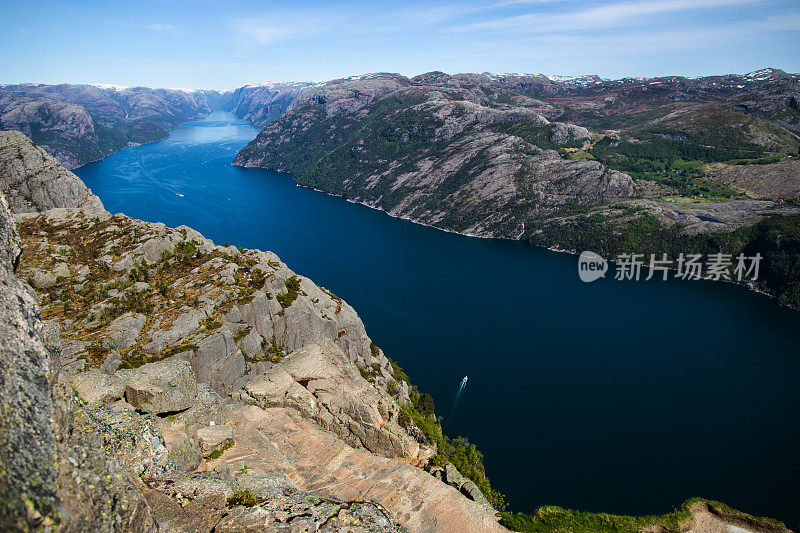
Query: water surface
618	397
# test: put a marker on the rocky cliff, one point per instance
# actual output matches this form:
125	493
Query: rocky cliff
478	155
161	382
81	123
260	104
32	180
440	150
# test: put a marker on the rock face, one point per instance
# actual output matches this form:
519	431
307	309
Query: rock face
513	156
33	181
80	123
453	152
201	503
322	384
27	444
259	104
281	445
227	312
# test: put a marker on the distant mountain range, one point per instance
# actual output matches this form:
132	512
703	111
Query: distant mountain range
81	123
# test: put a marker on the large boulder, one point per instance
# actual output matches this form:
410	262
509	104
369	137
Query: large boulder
161	387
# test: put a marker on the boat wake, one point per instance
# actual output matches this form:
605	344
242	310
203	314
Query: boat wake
458	396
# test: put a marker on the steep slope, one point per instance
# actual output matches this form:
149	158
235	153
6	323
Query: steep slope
435	149
27	443
81	123
259	104
32	180
162	352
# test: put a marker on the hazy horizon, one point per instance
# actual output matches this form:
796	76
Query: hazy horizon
105	85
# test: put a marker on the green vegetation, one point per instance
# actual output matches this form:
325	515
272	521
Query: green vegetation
257	279
552	519
173	350
97	353
371	372
244	497
216	454
135	359
777	239
535	135
241	334
139	272
653	153
555	519
397	372
131	300
292	292
421	411
676	161
210	324
274	351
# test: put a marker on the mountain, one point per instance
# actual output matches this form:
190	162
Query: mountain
259	104
649	165
81	123
706	164
768	94
441	150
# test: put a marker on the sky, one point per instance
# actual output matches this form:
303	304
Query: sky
216	44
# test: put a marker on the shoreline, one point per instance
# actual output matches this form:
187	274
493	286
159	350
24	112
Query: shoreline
132	144
749	286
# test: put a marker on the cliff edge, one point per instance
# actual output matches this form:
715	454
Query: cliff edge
154	381
32	180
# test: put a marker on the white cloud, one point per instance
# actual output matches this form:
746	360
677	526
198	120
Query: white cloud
265	31
162	27
615	46
605	16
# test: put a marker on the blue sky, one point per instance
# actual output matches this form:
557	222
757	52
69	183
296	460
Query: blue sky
225	44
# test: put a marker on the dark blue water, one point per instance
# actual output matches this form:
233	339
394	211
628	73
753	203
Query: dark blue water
611	396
